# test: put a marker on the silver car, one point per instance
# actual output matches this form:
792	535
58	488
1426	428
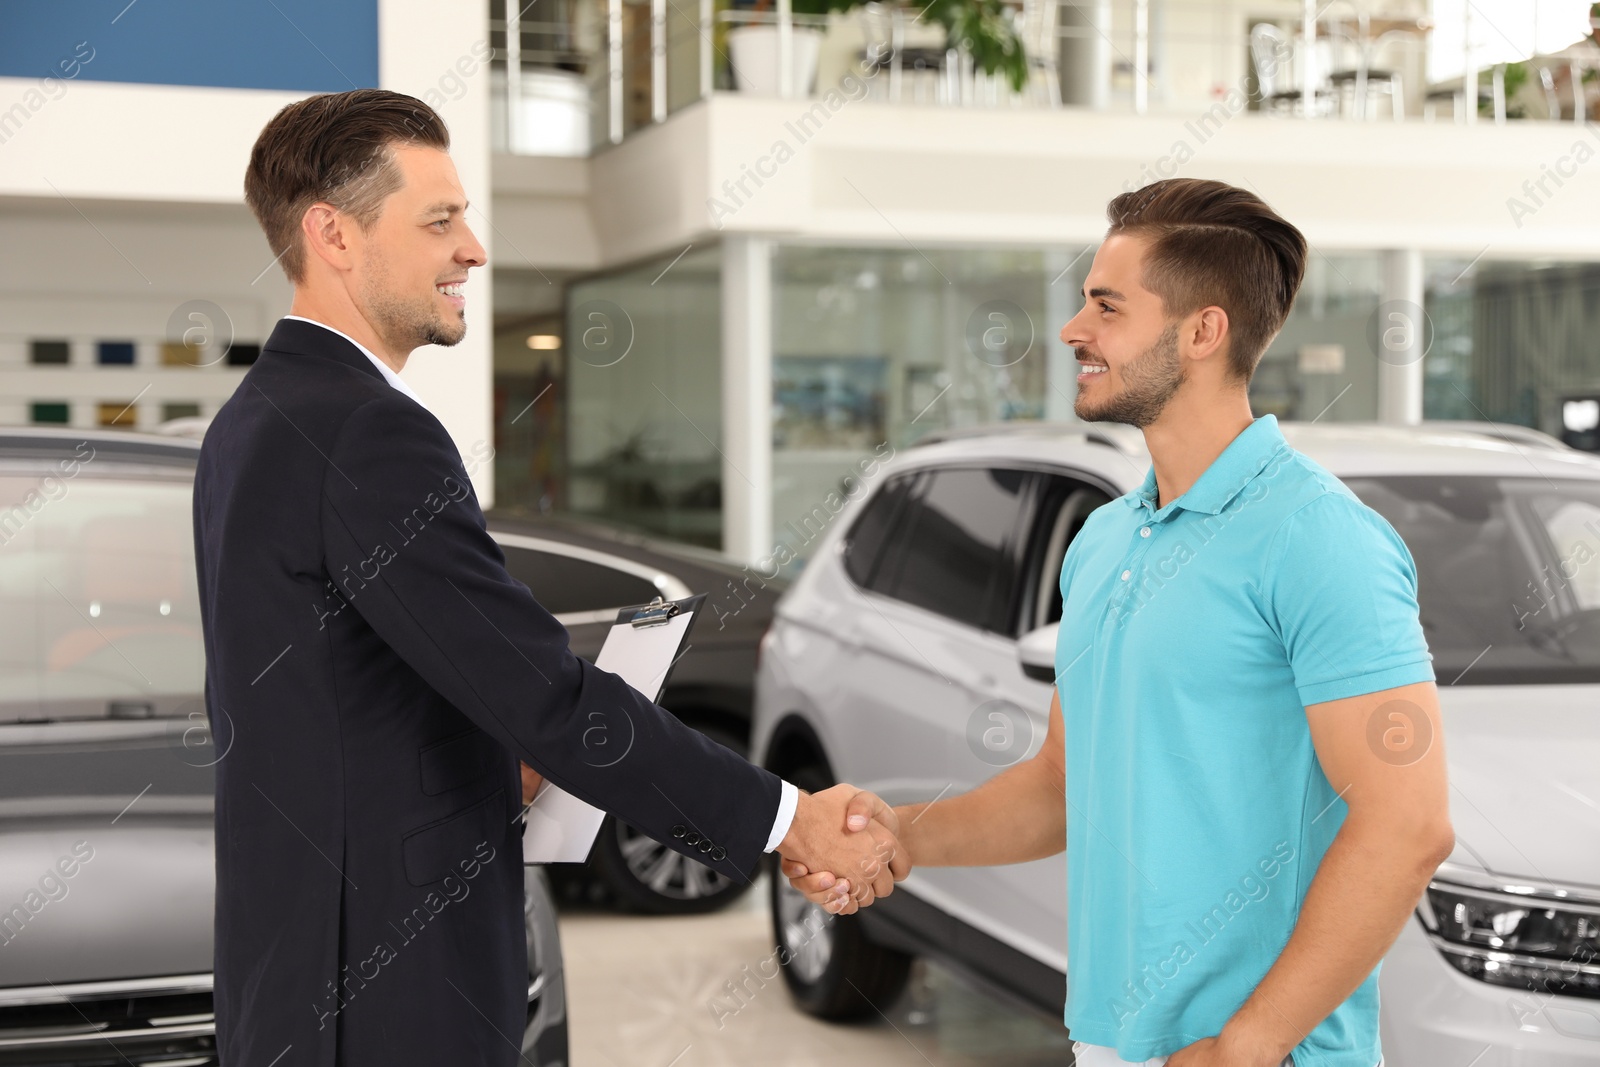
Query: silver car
914	657
106	866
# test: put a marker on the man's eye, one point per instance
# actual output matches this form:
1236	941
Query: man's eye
440	222
1106	307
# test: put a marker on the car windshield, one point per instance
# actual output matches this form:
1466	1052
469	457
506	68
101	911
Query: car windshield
99	615
1508	573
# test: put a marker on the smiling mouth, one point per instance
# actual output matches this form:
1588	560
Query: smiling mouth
1090	370
451	288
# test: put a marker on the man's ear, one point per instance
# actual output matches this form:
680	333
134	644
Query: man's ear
329	235
1207	336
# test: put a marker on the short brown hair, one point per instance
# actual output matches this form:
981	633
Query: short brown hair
337	148
1213	243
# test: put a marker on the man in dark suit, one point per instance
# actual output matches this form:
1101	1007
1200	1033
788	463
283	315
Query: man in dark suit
373	674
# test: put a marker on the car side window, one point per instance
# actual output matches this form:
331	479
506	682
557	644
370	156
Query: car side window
953	550
1064	505
864	544
563	584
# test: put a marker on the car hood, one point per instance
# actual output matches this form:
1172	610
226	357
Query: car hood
139	905
1525	779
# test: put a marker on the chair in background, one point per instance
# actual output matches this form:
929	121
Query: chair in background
1364	79
1277	60
1494	93
883	26
1039	19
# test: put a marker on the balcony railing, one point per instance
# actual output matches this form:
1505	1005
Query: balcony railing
587	73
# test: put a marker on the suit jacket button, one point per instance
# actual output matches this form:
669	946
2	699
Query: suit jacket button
706	846
692	840
678	831
719	853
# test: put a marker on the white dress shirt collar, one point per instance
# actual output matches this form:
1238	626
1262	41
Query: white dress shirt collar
383	368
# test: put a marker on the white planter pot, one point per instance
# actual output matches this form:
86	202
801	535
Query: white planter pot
552	118
753	52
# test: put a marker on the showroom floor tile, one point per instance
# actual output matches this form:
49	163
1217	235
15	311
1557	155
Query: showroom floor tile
659	992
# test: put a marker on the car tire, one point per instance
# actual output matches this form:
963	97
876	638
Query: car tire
832	969
647	876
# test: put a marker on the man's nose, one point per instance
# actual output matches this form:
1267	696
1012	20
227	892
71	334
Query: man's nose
1072	333
472	253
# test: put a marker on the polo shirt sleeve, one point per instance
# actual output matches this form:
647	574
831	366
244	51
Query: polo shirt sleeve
1342	593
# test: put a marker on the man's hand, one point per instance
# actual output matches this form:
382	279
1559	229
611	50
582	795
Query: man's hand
834	892
1223	1051
851	832
531	780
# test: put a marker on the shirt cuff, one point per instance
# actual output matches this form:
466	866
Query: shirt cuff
788	800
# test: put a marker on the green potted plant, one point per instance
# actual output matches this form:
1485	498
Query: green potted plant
982	27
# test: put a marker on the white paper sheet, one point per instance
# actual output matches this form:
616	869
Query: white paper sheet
561	828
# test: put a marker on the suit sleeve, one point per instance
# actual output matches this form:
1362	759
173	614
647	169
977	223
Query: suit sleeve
405	539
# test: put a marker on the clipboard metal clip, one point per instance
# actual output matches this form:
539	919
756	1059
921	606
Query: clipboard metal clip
656	612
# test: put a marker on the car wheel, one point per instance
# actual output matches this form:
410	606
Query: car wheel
832	970
647	876
544	1041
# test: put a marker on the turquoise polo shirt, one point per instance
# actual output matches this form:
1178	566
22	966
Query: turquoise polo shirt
1193	636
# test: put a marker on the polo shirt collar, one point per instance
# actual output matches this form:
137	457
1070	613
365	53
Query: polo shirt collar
1228	474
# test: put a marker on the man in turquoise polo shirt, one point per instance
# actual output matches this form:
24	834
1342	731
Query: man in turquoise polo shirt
1240	852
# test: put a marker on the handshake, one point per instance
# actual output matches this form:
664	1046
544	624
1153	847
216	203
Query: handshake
842	850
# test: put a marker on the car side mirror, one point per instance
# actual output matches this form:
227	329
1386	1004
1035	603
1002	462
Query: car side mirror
1037	653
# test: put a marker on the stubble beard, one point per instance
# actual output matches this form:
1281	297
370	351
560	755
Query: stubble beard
409	324
1148	384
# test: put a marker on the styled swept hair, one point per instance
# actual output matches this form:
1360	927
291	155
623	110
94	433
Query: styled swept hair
1214	243
335	148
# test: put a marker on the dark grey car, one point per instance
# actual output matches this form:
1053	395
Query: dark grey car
582	572
106	864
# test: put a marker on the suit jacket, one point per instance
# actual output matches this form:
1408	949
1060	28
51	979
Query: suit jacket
372	676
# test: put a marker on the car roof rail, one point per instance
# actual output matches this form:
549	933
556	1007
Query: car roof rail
1124	439
1509	432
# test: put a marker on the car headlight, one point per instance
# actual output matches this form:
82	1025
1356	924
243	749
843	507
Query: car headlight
1521	936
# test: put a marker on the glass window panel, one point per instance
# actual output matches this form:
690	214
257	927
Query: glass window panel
1513	342
1323	364
643	351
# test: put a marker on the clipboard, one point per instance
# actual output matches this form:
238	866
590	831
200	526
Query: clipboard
643	646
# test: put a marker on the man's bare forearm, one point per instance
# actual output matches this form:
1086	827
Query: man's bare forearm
1016	816
1364	891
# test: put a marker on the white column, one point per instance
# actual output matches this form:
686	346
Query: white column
708	29
1307	58
1061	302
658	60
420	41
513	74
747	397
1403	334
786	79
1101	54
1141	56
614	71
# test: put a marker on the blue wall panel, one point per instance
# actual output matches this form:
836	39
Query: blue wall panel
300	45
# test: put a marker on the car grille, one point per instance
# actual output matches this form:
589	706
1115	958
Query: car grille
147	1022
